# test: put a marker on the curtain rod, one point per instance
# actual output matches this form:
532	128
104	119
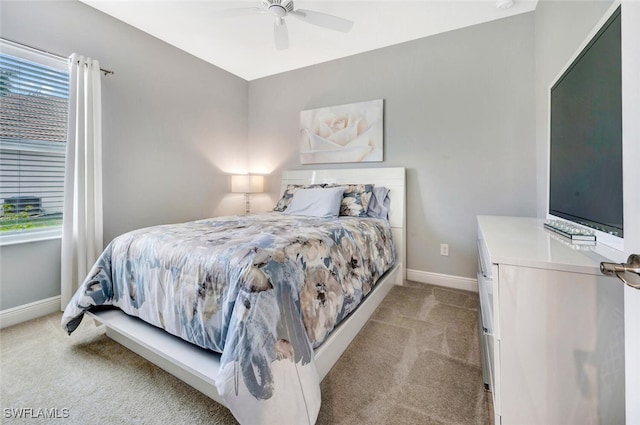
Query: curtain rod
104	71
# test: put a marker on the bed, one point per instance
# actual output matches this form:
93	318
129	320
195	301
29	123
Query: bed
267	372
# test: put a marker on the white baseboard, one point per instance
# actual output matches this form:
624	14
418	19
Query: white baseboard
22	313
445	280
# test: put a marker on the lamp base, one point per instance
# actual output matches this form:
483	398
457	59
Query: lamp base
247	204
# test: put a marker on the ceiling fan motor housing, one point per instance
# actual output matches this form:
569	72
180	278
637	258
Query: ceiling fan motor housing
287	5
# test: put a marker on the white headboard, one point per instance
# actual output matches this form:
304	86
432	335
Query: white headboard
393	178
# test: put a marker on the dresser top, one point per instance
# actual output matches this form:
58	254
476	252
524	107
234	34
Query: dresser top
523	241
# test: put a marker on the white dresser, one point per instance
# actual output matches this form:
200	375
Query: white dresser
553	326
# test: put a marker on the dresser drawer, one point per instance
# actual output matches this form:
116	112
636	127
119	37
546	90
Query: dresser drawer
485	289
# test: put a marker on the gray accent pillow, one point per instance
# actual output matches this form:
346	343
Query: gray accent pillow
380	202
356	198
316	202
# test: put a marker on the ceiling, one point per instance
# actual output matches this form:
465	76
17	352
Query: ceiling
244	45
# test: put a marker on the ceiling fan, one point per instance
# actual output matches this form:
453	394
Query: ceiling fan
280	9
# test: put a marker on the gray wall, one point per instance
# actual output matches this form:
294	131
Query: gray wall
29	272
459	115
172	126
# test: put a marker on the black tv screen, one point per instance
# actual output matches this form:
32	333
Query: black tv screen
585	172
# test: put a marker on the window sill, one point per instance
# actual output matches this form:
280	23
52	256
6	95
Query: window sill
15	238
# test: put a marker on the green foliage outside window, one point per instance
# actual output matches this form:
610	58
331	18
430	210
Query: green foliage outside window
23	220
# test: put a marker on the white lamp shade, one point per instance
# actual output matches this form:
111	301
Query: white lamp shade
247	183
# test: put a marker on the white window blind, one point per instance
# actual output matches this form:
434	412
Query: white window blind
34	93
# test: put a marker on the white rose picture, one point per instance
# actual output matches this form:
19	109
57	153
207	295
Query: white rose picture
344	133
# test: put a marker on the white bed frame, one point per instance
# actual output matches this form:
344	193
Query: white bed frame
198	367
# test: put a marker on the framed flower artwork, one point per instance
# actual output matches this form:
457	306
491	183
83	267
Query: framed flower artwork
343	133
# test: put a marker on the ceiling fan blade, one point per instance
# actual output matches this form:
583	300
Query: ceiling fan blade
281	34
238	11
323	20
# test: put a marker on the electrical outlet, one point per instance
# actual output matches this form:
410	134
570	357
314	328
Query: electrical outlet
444	249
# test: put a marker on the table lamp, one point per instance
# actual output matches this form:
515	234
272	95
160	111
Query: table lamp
247	184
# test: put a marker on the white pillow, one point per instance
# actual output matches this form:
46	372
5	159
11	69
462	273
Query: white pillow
316	202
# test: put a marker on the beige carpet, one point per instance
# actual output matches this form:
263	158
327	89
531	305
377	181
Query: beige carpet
416	362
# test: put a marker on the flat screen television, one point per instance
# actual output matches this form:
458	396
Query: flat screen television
585	157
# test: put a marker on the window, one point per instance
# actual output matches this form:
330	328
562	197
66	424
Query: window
34	98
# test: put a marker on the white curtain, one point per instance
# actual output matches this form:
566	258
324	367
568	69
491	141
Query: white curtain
82	216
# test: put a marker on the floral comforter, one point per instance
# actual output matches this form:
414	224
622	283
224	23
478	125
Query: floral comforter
262	290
